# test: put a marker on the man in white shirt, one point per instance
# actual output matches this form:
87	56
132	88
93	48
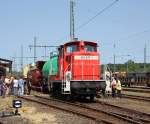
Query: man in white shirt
15	86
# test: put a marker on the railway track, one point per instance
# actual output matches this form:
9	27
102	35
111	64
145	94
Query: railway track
91	112
119	111
140	87
141	98
130	113
137	90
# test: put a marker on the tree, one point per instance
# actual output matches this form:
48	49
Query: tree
132	66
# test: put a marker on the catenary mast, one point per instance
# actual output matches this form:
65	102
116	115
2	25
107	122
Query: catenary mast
72	36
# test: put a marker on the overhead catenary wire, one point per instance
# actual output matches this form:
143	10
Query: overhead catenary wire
134	35
99	13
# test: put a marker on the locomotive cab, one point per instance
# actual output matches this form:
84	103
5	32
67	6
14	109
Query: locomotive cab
82	60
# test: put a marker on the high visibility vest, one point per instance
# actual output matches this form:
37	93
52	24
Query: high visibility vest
118	85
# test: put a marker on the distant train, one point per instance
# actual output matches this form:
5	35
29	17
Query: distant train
140	79
33	75
74	71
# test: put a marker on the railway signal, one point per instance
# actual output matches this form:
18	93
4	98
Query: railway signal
17	104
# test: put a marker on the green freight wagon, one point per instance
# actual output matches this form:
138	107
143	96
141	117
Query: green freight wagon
50	67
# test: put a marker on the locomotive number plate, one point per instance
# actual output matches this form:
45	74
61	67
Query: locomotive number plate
83	57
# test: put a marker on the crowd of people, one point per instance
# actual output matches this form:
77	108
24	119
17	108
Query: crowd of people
11	86
15	86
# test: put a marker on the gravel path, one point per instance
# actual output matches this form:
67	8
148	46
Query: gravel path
32	113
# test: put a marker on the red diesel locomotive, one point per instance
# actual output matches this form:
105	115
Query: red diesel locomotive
75	70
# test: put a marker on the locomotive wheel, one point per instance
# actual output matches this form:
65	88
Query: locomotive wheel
49	87
42	89
73	98
91	98
148	84
45	88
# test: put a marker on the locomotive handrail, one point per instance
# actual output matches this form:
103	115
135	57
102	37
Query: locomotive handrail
67	69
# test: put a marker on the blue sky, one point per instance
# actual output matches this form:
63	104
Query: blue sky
127	24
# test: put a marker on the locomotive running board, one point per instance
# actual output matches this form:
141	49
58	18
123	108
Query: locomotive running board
66	86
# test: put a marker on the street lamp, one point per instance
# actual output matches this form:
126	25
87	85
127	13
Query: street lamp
128	63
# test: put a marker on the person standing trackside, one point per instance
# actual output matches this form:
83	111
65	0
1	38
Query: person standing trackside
15	86
118	87
1	85
113	86
21	86
7	84
11	86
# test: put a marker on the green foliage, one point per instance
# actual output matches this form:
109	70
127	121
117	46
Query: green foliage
130	66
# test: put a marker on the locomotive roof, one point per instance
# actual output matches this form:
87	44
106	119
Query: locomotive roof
76	42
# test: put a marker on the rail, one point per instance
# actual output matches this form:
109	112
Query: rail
136	90
141	98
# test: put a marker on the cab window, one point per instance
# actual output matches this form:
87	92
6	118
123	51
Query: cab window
89	48
72	48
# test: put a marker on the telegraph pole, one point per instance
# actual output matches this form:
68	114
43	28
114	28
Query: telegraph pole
145	58
21	60
72	20
14	63
114	58
128	63
34	49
